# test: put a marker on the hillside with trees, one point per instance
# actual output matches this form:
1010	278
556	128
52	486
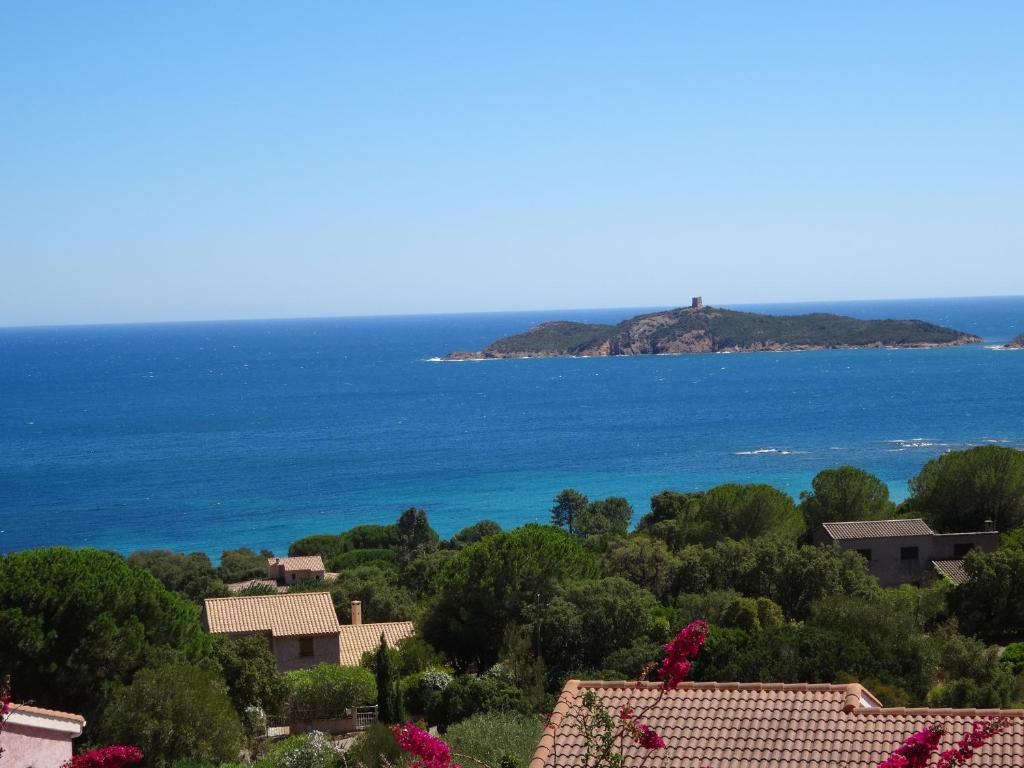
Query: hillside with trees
505	617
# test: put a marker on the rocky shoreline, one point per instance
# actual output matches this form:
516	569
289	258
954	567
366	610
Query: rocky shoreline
704	330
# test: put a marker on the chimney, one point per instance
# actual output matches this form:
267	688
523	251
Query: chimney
989	524
357	613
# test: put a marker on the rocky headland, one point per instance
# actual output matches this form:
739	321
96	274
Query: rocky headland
694	330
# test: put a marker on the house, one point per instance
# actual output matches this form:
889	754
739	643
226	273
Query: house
357	638
768	724
302	627
285	571
902	551
34	737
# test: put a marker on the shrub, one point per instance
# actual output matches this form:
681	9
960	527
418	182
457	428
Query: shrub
490	737
327	690
173	712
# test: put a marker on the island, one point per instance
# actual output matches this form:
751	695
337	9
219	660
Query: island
701	329
1017	342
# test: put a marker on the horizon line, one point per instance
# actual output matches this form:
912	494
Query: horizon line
381	315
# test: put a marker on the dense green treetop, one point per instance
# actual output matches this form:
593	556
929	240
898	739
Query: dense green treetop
845	493
191	575
174	712
488	586
250	672
415	537
361	537
960	490
74	621
473	533
242	564
491	736
991	602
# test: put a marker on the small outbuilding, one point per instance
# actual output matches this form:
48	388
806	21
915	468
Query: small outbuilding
33	737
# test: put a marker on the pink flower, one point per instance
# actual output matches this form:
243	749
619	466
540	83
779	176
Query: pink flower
106	757
981	731
916	750
647	738
680	653
626	713
5	696
431	751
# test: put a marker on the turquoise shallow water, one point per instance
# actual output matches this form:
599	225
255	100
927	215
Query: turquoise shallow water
201	436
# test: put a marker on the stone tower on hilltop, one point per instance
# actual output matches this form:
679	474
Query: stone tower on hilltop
696	303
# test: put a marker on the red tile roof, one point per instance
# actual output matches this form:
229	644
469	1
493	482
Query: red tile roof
292	614
952	569
357	639
299	563
757	725
877	529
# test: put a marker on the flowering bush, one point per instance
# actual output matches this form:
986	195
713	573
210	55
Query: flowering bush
917	750
429	750
106	757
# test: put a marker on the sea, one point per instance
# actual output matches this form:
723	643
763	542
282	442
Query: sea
208	436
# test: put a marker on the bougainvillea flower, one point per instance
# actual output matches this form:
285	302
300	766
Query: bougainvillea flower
680	653
431	751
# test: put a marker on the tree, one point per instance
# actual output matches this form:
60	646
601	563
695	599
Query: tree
328	545
74	621
326	691
242	564
749	511
971	675
991	602
173	712
491	736
960	490
378	590
645	561
675	519
192	576
487	587
590	619
607	516
389	709
250	671
473	533
845	493
569	505
415	536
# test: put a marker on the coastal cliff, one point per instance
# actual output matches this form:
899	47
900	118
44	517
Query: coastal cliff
709	329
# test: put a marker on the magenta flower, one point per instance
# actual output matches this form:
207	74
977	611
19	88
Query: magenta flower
916	750
431	751
106	757
679	654
981	731
647	738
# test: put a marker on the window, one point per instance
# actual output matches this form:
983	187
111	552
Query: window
305	647
960	550
908	553
865	553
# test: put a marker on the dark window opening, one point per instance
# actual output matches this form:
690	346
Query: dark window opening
960	550
865	553
305	647
908	553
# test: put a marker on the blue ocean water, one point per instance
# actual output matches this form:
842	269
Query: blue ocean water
204	436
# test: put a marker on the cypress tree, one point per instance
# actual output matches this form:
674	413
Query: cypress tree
387	706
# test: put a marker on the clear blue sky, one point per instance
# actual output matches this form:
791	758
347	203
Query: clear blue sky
242	159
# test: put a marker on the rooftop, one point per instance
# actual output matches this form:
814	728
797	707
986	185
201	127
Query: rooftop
290	614
771	724
303	563
55	714
357	639
952	569
878	529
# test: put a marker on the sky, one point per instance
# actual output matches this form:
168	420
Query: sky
177	160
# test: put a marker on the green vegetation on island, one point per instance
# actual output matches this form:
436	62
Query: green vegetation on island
710	329
504	618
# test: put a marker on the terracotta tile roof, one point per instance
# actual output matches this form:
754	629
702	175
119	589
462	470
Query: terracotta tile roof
878	529
41	712
238	586
302	563
952	569
290	614
748	725
357	639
